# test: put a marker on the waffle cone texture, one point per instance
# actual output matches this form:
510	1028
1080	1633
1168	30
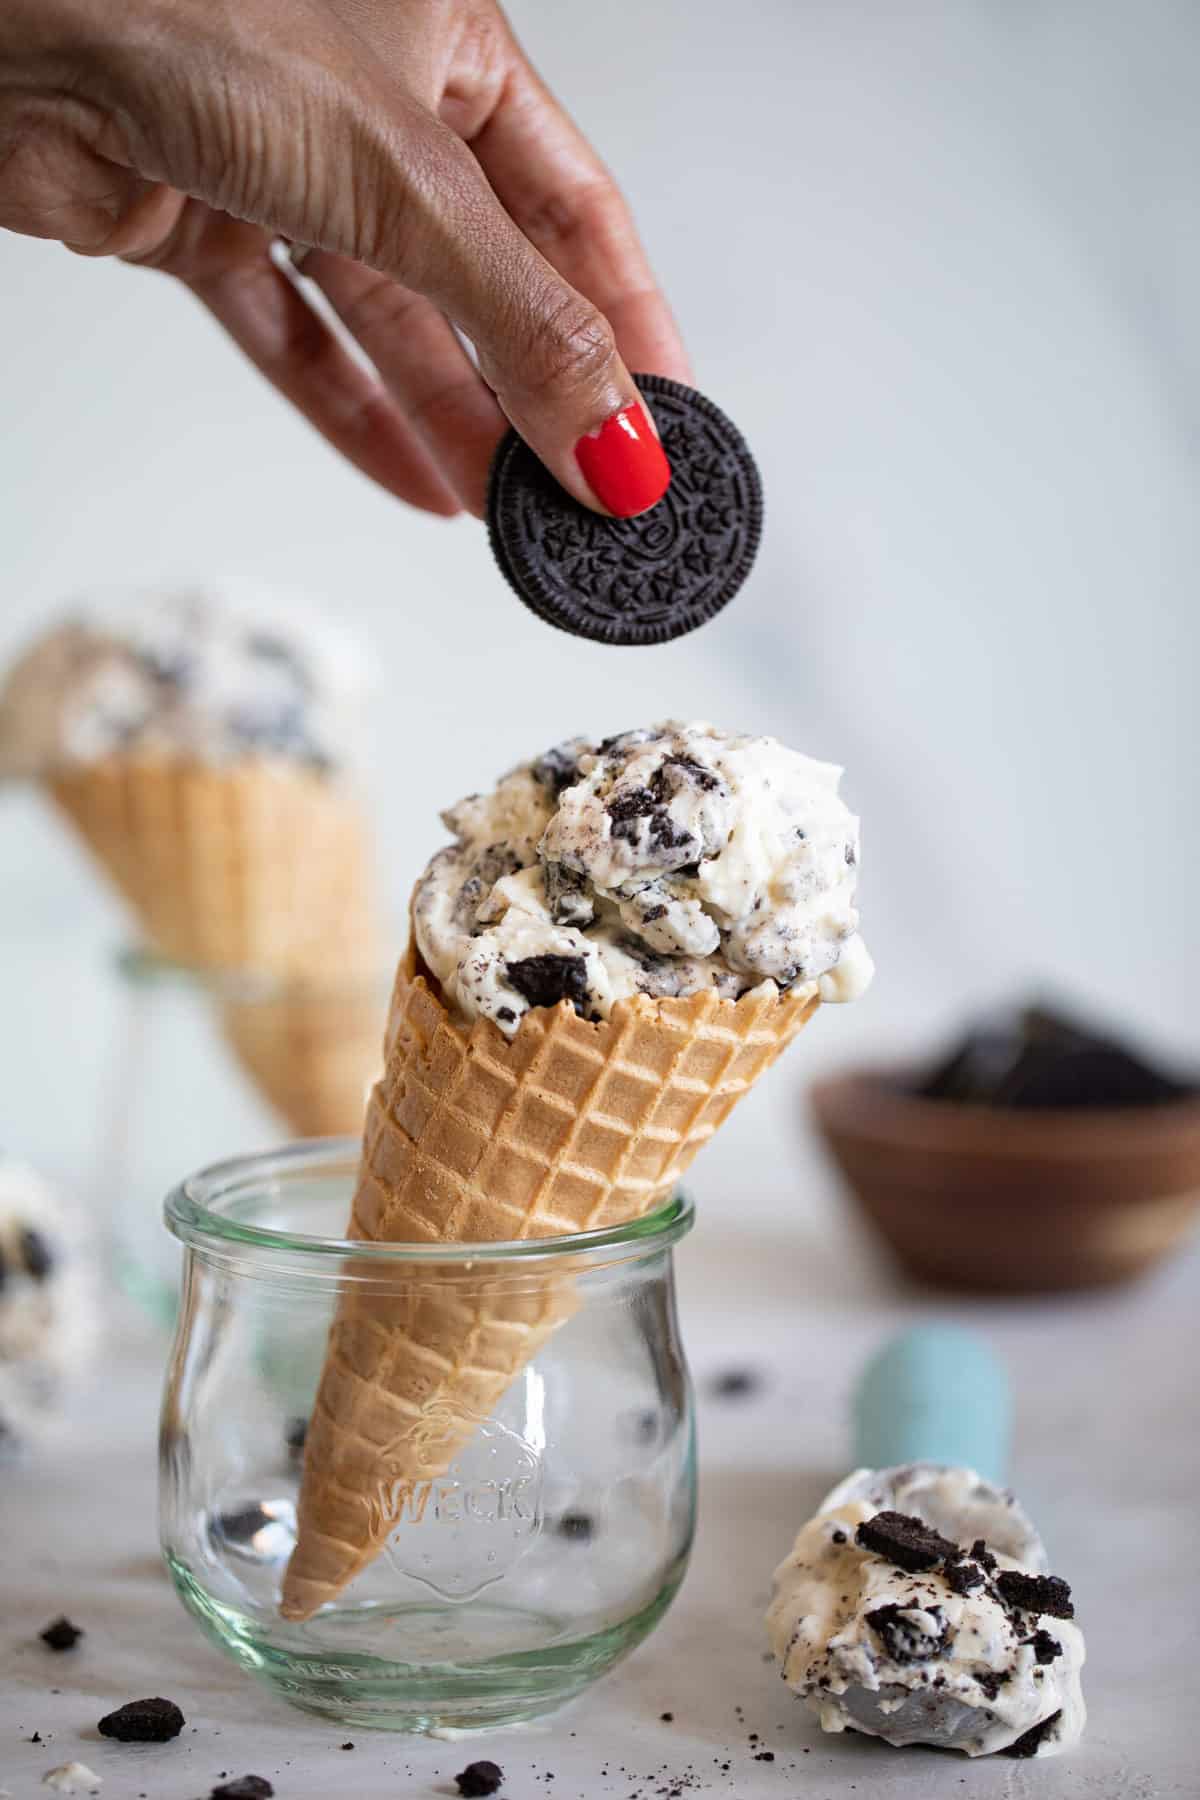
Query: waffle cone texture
261	864
312	1051
472	1137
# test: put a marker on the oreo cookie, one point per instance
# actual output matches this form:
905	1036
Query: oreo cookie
633	581
905	1541
903	1639
1038	1594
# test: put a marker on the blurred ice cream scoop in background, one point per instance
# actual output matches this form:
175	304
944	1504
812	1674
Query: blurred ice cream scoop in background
201	742
214	673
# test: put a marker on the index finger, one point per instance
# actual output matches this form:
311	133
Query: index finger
554	186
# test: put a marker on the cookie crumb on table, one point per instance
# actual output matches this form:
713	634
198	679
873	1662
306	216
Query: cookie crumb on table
60	1634
479	1779
152	1721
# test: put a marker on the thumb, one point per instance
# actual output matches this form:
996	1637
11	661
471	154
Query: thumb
547	353
552	362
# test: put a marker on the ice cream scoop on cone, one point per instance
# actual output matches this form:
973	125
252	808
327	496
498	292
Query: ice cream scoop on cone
545	1078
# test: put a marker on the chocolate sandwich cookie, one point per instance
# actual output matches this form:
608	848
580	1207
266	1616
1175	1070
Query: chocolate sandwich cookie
643	580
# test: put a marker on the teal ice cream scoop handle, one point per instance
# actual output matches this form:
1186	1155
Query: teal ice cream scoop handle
935	1394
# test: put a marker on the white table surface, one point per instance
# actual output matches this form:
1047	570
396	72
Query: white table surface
1107	1457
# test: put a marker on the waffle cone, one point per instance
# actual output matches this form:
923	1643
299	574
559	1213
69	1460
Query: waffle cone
311	1051
470	1137
259	865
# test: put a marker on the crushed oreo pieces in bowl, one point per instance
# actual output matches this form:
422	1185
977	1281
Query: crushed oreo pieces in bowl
1038	1155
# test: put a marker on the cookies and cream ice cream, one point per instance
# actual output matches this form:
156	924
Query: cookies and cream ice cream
214	674
915	1606
662	861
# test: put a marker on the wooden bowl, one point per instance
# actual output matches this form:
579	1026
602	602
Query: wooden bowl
983	1198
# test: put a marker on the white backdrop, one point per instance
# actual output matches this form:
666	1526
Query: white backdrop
941	263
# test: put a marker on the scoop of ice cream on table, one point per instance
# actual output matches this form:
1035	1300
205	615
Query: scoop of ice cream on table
624	935
916	1605
48	1317
886	1624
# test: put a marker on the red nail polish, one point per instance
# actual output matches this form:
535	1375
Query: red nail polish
623	463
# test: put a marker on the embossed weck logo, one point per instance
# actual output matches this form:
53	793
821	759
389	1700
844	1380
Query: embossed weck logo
460	1531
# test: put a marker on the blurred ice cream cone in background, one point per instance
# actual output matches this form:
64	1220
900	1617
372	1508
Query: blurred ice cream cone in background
202	745
547	1077
313	1049
257	866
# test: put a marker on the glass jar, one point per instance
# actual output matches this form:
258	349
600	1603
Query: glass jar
203	1060
514	1577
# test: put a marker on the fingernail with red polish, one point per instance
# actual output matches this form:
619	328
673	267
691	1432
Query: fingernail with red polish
623	463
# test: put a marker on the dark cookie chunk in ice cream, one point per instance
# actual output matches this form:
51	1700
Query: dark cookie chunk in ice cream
545	980
36	1254
1045	1647
691	770
901	1631
153	1721
491	866
963	1577
661	834
621	742
558	769
905	1541
246	1787
268	647
990	1681
1030	1741
567	896
982	1555
633	581
1035	1593
635	803
172	669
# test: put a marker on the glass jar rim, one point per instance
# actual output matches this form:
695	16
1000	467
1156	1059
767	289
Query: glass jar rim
191	1215
141	966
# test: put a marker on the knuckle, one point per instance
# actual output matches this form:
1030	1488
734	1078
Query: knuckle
574	347
586	212
447	407
378	310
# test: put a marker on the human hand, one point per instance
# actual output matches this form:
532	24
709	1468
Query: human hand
432	178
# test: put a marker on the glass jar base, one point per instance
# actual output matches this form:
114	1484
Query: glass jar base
441	1691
